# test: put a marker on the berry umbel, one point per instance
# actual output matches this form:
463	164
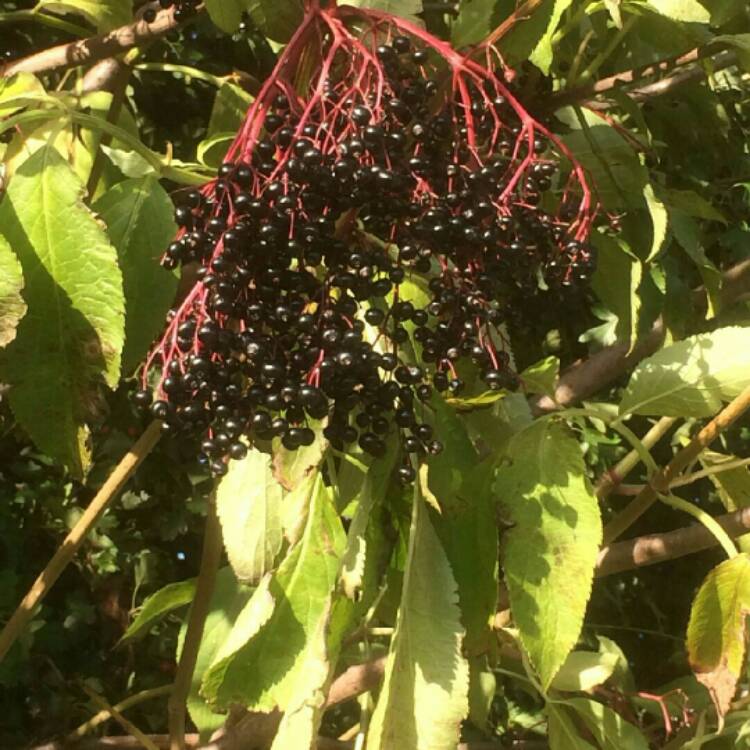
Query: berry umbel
385	207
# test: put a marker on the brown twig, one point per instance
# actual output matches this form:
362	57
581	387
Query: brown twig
668	84
659	483
588	376
94	48
67	550
656	548
519	14
210	560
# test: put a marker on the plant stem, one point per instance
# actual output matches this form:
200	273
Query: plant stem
210	560
710	471
127	725
661	481
705	518
106	713
613	477
186	70
67	550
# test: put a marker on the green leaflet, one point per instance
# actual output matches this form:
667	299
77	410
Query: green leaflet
104	14
71	338
473	22
408	9
425	690
227	602
611	731
248	501
542	54
230	105
716	630
550	552
268	671
691	378
12	306
541	376
165	600
461	486
139	218
226	14
561	730
690	11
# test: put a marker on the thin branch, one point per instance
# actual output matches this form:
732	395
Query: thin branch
210	560
522	13
613	477
127	725
358	679
670	83
656	548
67	550
660	482
123	705
94	48
588	376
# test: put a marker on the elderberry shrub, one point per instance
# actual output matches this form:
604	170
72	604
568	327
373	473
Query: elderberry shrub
311	242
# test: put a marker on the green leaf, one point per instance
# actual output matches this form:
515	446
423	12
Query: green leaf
550	552
561	730
164	601
139	218
689	11
610	730
228	601
659	222
130	163
613	164
248	501
689	202
269	670
70	340
292	467
230	106
424	697
716	630
12	306
226	14
473	22
278	19
212	151
687	234
542	54
373	491
104	14
20	90
584	670
541	376
691	378
482	401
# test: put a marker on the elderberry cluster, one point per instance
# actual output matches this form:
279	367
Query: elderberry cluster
361	253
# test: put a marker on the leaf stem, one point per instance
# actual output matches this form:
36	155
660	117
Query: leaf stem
210	560
67	550
706	519
661	481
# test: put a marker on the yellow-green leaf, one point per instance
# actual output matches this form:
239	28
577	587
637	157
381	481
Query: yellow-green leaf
139	218
70	340
12	306
424	697
716	630
550	552
691	378
104	14
248	501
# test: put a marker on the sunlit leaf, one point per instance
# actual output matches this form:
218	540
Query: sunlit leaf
12	306
550	551
104	14
716	630
424	696
69	342
171	597
248	501
691	378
